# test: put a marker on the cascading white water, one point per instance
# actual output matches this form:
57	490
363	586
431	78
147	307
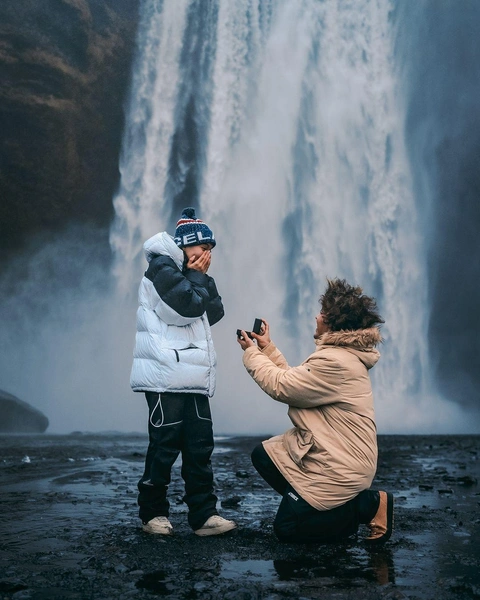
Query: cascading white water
303	175
145	152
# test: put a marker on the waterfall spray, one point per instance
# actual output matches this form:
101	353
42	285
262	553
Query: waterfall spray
289	138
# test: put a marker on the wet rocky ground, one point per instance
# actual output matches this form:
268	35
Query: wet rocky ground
69	530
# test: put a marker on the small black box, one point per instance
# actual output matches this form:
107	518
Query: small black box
256	329
257	326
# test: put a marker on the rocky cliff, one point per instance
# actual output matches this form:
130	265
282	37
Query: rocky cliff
64	74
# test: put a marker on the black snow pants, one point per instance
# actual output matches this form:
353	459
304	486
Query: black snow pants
297	521
178	423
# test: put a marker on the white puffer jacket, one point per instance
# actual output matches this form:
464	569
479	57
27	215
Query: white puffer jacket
174	348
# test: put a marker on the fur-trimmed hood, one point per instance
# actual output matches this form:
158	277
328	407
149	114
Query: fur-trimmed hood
357	338
360	342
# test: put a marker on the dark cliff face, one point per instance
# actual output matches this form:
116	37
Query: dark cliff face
64	75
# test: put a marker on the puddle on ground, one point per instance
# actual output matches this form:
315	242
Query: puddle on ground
417	498
438	497
430	464
248	569
157	582
352	569
53	528
50	510
222	449
344	569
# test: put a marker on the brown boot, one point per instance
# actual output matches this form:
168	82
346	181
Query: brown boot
381	526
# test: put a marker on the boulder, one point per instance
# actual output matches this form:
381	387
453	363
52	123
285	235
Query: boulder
18	416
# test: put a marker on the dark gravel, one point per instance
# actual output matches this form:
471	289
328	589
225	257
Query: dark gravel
68	527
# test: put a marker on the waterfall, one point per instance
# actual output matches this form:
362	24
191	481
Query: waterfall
145	153
283	123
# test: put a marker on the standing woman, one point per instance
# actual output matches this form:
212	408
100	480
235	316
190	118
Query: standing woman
323	467
174	365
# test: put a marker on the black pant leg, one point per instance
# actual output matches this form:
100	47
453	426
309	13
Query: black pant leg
368	502
196	465
267	469
165	426
297	521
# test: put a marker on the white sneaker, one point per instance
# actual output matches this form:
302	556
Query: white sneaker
216	525
159	525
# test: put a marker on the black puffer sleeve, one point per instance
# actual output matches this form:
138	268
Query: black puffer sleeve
190	293
215	310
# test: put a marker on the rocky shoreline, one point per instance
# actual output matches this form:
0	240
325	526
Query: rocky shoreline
69	527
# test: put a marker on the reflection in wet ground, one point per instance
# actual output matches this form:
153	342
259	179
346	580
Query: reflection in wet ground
357	565
158	582
352	572
68	527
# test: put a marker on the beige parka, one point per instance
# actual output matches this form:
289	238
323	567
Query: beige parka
330	455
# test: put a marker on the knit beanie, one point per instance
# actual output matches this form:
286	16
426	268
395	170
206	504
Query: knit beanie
191	231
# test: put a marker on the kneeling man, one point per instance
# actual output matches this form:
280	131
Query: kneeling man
323	466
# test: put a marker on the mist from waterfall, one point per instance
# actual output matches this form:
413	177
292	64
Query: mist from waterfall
283	123
317	139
